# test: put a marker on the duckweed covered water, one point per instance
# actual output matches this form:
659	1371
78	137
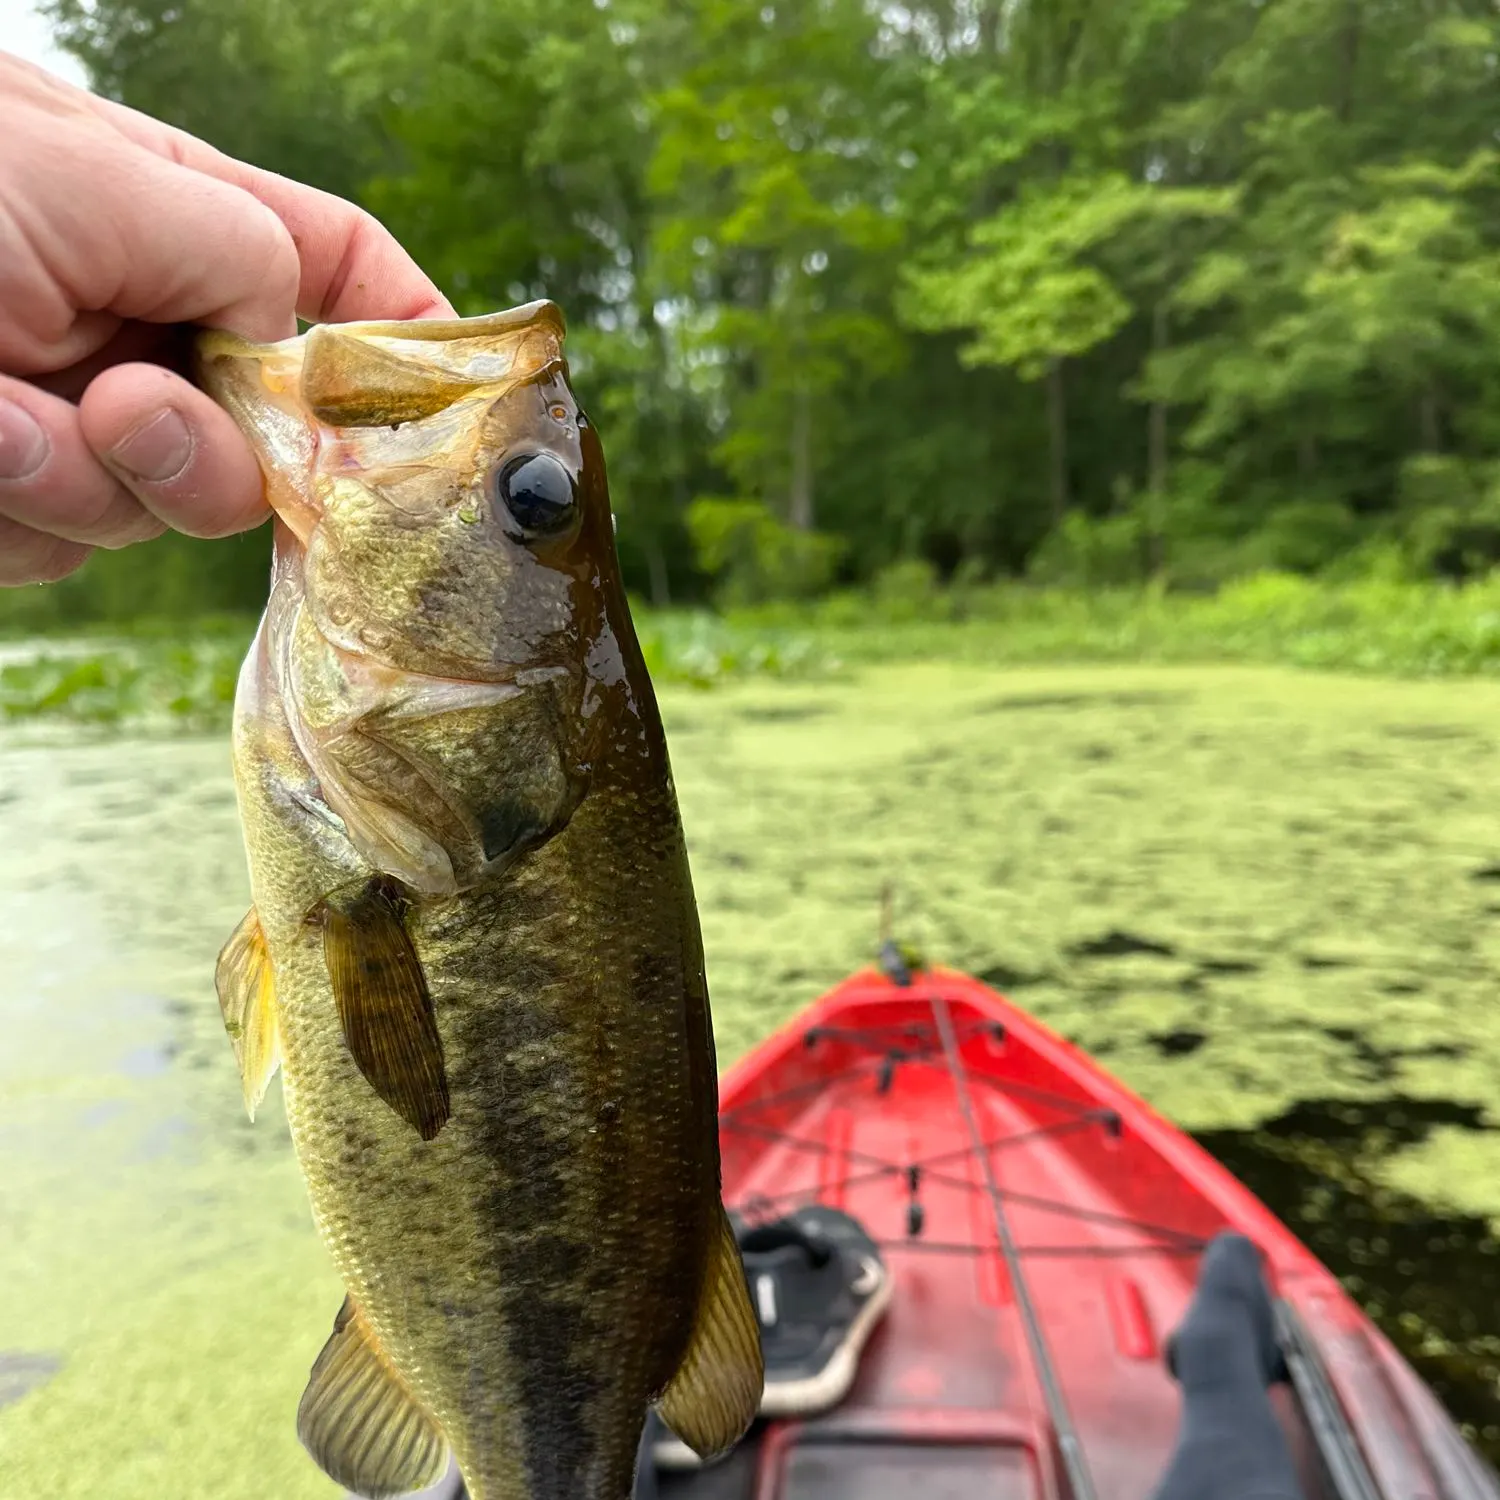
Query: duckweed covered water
1269	901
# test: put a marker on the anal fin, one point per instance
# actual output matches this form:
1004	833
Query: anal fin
247	999
359	1422
383	1004
713	1397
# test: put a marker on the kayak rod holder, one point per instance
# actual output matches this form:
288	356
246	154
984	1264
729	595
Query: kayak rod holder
1070	1449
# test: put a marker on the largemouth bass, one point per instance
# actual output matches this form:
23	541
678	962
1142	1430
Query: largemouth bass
473	950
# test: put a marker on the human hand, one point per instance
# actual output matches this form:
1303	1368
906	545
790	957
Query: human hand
115	232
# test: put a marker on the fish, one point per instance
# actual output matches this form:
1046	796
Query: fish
473	950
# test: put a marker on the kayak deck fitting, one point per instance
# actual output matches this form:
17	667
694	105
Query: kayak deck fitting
1046	1234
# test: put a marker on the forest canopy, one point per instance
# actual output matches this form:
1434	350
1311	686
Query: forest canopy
1084	290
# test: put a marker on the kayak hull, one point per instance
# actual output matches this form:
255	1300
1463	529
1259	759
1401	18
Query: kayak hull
1109	1206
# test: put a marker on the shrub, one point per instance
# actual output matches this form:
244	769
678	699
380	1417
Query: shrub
1450	514
752	556
907	590
1090	551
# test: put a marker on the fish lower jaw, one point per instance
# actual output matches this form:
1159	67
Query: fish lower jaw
408	696
353	684
428	697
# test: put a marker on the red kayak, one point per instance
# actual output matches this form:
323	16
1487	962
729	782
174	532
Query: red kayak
1045	1235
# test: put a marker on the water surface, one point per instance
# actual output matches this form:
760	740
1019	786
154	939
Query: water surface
1269	901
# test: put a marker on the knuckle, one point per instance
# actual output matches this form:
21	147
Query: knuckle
281	265
363	231
28	556
124	523
61	559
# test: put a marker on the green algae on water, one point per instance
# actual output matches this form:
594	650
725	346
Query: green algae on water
1241	888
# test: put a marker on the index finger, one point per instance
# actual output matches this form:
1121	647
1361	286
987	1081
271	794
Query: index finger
353	267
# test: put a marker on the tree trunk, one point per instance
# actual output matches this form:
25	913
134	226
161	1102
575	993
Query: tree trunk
989	26
656	560
800	500
1156	451
1348	61
656	570
1057	430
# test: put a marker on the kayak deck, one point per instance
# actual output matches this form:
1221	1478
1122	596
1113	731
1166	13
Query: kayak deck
953	1350
858	1105
1109	1253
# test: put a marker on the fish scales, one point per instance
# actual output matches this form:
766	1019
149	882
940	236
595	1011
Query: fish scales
474	948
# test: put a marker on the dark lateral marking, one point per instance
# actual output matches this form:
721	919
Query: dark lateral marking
578	1387
383	1004
510	1058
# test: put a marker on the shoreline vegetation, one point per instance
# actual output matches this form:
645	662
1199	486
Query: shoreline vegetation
179	675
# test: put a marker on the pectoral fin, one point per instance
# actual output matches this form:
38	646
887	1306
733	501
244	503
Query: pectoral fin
383	1005
359	1422
716	1391
247	998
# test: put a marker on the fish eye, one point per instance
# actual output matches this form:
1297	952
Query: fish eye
538	492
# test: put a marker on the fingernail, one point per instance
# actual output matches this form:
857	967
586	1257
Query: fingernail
23	444
157	450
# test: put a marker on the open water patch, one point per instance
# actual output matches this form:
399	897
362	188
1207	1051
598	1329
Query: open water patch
1118	944
1180	1043
22	1373
1429	1279
784	713
1003	978
1022	701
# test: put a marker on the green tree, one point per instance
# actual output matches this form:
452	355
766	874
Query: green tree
769	173
1189	286
262	82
